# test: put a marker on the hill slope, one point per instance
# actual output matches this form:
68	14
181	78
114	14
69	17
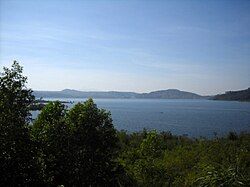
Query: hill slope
241	95
170	94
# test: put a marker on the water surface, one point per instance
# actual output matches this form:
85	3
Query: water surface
193	117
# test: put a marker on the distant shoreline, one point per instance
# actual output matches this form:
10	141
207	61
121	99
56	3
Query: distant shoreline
241	95
160	94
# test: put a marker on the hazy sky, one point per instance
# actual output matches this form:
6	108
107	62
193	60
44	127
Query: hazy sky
198	46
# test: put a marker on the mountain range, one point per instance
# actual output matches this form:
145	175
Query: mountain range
161	94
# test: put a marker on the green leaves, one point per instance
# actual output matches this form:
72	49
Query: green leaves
17	156
77	146
15	97
94	141
159	159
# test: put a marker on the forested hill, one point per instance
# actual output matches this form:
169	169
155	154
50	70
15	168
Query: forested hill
163	94
241	95
170	94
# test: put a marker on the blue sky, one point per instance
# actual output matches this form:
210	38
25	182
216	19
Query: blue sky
198	46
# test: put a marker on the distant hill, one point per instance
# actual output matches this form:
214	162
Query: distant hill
170	94
241	95
162	94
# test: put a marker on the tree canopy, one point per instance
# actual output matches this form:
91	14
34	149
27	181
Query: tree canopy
77	146
17	154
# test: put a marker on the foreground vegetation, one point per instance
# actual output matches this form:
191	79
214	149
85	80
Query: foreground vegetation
80	147
161	159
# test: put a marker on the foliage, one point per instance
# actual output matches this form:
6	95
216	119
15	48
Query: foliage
15	97
182	161
17	163
51	134
76	146
94	144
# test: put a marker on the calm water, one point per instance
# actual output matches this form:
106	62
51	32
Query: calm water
193	117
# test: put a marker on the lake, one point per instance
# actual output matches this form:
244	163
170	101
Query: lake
191	117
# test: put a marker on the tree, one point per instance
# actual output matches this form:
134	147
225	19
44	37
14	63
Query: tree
15	97
51	133
17	156
94	143
77	147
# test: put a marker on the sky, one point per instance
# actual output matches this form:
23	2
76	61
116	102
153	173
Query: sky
141	46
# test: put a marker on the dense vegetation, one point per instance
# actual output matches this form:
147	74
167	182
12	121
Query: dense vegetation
161	159
80	147
242	95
